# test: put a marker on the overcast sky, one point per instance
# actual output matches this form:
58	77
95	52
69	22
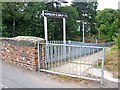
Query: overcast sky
102	4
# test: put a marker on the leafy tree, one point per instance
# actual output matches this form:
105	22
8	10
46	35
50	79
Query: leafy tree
71	24
22	19
10	16
55	25
33	19
107	24
87	13
117	39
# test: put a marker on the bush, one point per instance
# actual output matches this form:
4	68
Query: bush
117	40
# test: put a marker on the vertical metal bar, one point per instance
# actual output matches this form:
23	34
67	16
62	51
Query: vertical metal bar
97	62
76	58
73	52
80	59
55	54
45	28
43	56
92	60
65	53
38	48
64	31
51	53
61	55
84	58
69	57
102	71
58	55
76	52
49	56
89	59
46	54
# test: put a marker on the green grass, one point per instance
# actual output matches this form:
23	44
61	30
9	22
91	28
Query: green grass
111	61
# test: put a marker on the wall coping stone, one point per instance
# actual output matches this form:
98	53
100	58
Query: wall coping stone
23	40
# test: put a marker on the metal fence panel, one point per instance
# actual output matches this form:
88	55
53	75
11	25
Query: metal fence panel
72	60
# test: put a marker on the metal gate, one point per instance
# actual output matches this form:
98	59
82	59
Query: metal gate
72	60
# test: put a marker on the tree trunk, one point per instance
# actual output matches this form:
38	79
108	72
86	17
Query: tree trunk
13	28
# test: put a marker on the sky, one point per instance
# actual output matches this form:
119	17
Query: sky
102	4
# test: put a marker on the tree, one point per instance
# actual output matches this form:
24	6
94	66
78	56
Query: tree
107	24
33	19
117	39
87	13
22	18
71	24
55	25
11	14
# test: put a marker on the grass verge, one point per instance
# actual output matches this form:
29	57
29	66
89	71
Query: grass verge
111	61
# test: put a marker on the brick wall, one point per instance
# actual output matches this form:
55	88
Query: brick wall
22	52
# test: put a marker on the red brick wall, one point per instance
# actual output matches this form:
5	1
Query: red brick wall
24	56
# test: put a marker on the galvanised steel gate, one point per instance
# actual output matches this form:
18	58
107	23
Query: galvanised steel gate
72	60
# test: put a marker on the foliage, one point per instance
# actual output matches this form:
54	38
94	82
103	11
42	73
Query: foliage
21	19
117	40
72	32
107	24
87	13
24	19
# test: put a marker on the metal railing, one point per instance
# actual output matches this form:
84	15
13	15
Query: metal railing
82	44
72	60
59	42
